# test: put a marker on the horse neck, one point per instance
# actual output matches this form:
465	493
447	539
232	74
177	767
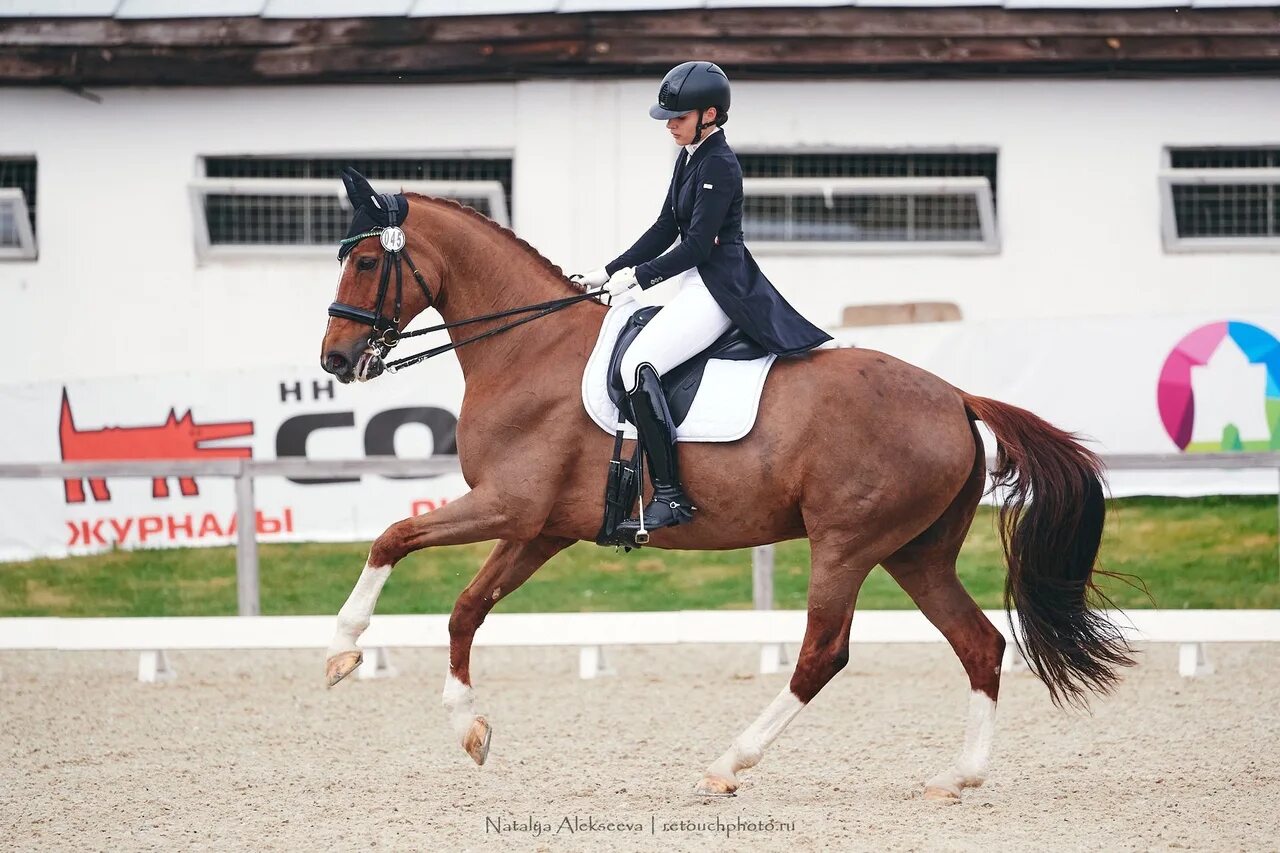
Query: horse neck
487	272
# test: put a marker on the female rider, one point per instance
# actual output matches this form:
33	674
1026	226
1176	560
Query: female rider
719	283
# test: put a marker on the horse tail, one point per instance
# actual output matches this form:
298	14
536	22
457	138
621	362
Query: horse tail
1051	524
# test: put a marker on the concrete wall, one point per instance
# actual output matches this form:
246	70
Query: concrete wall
118	290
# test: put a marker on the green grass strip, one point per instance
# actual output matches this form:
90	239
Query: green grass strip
1216	552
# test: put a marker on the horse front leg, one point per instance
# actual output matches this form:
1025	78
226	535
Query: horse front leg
508	565
474	517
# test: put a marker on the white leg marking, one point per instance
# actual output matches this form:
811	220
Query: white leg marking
748	748
459	701
970	769
354	616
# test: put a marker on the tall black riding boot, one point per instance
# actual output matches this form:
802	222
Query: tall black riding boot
670	505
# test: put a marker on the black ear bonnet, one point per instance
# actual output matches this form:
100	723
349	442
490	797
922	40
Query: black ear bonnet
372	210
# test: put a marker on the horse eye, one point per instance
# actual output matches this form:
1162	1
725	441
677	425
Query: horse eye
366	263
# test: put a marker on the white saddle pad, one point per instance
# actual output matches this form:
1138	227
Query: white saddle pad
724	408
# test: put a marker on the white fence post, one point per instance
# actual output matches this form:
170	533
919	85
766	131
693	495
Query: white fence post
153	667
377	664
773	656
1013	660
762	577
1192	660
592	664
246	544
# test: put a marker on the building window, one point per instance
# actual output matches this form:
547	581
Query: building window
279	205
17	208
1221	198
887	201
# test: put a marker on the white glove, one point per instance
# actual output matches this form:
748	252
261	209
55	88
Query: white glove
595	278
622	281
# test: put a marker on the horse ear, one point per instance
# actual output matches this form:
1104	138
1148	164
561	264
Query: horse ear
358	190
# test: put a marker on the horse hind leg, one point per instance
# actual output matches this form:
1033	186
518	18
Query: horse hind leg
980	648
926	570
834	581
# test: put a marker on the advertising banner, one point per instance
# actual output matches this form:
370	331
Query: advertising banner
1165	384
263	414
1153	385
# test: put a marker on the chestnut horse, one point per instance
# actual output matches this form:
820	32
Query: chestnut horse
877	462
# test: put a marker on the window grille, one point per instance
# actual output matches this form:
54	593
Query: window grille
1221	198
17	208
261	205
870	201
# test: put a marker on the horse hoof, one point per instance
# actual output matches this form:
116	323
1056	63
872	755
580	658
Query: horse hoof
476	742
941	795
714	786
341	665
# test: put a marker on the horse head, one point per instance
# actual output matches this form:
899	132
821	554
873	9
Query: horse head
374	303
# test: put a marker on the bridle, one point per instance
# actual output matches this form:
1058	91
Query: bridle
386	332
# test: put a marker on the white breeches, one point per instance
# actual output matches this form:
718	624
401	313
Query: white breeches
685	326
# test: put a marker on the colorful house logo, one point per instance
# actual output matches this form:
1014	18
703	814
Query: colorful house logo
1176	398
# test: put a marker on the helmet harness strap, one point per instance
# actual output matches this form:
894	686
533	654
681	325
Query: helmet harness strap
697	135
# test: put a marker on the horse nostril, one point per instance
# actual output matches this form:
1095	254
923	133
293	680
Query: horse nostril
336	363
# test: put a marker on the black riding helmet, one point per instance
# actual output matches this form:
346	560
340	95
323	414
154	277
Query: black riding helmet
693	86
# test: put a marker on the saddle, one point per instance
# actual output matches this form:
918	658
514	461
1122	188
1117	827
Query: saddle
680	385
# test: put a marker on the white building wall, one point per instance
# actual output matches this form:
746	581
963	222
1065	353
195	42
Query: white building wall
117	289
1078	205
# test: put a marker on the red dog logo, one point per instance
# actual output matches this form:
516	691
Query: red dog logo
176	438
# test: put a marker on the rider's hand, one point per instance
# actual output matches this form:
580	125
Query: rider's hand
623	280
595	278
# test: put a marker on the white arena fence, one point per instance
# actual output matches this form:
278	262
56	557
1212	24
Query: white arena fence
591	632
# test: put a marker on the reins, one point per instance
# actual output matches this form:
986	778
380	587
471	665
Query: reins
543	309
386	333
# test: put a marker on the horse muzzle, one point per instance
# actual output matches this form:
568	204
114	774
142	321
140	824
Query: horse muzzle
369	366
360	367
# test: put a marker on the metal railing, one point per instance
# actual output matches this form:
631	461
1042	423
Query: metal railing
245	471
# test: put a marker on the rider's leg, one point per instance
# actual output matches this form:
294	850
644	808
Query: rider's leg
682	329
670	505
685	326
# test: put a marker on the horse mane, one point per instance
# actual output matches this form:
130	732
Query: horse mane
529	250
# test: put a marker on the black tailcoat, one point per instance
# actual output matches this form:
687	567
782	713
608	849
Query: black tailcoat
703	208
